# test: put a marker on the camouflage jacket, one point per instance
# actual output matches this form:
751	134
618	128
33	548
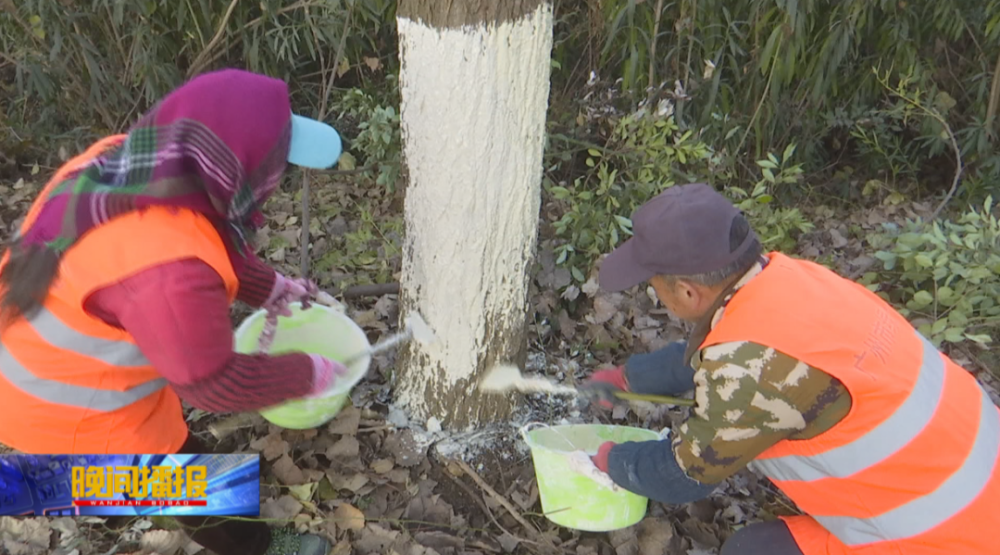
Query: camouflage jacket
748	397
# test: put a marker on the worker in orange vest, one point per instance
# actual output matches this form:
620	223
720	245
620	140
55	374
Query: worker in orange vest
885	444
118	285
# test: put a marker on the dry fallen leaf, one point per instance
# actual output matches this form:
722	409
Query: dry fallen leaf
348	517
399	476
303	492
287	472
703	532
347	448
353	482
382	466
163	542
346	422
591	287
567	326
283	508
656	537
508	542
429	509
271	446
31	533
605	308
375	539
624	541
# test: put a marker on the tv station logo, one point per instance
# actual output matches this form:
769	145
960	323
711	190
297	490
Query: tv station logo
157	486
132	485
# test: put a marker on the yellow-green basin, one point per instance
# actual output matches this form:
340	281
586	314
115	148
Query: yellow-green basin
571	499
318	330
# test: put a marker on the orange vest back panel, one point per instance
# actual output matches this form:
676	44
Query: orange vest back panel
71	383
912	469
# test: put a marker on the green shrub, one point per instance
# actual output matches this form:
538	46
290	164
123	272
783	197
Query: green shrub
378	139
93	66
778	227
645	155
944	276
641	159
752	74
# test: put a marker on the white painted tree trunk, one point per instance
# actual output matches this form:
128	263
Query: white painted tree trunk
474	102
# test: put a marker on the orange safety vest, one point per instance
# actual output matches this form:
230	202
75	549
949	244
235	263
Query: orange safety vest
69	383
912	469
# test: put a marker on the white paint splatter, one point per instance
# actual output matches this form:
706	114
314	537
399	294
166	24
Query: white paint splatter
504	378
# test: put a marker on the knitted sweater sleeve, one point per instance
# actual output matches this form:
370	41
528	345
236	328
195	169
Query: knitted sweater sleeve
178	314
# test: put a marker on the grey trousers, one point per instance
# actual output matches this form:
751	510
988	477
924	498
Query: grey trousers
763	538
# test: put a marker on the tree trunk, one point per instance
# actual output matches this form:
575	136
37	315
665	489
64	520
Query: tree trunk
474	82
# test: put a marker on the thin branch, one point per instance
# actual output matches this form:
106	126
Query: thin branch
336	60
376	290
760	103
197	64
652	47
304	255
947	128
991	111
535	534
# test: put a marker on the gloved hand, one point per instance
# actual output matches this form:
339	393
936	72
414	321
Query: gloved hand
287	290
602	384
325	374
601	458
586	465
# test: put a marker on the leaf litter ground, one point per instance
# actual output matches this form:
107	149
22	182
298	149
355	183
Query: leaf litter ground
374	482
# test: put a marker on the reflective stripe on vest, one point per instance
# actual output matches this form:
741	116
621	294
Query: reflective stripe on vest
878	444
926	512
897	431
61	336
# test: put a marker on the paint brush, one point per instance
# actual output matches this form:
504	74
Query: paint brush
416	329
506	377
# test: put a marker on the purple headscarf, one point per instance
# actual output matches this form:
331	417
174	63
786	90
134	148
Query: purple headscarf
217	145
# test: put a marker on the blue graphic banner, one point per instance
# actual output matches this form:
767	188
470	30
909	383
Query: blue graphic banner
104	485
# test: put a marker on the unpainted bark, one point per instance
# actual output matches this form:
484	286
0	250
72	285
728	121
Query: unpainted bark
453	14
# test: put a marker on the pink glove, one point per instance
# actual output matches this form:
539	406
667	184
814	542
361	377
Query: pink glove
287	290
325	374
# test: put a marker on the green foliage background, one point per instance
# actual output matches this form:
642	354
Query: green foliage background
783	104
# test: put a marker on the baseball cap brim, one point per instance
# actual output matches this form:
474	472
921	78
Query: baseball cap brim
620	270
315	144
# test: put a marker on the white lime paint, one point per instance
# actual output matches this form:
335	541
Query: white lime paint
473	109
507	378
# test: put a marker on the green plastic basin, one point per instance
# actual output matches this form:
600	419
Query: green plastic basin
572	499
319	330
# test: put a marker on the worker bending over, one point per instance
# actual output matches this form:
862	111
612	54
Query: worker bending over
118	286
887	445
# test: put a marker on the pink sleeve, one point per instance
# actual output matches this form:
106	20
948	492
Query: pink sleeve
178	314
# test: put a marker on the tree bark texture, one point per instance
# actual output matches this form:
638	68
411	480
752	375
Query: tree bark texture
474	82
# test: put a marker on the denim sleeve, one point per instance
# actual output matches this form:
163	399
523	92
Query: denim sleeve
649	469
661	372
